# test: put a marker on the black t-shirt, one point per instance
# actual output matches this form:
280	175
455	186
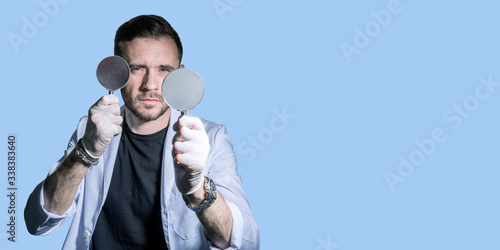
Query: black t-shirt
130	217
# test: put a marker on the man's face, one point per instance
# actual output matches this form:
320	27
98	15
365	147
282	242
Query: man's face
150	60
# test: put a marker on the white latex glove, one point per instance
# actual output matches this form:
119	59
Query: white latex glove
191	149
103	124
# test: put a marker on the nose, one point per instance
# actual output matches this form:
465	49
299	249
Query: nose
151	81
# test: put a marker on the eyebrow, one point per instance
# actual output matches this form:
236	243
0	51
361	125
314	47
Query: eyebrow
166	67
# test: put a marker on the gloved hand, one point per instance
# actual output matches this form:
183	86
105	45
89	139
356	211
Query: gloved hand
103	124
191	149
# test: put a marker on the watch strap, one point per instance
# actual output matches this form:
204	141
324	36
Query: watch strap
210	197
84	156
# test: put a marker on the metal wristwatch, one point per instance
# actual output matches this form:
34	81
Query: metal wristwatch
210	196
82	153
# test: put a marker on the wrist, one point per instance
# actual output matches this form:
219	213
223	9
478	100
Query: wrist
210	197
197	178
198	196
84	155
87	147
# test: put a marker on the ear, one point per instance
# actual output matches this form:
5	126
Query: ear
181	67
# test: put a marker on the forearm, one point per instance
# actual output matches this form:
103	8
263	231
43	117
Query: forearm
217	223
61	186
217	220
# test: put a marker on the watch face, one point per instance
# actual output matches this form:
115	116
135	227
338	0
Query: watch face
213	192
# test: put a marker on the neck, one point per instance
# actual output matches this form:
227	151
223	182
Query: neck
141	127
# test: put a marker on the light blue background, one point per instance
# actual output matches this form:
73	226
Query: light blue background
318	182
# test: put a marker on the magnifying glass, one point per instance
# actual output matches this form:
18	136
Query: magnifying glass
113	73
183	89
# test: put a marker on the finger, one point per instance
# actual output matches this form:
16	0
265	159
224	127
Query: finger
117	130
117	120
185	161
191	122
109	131
102	116
112	120
183	147
108	100
113	109
187	134
190	162
105	101
102	121
178	138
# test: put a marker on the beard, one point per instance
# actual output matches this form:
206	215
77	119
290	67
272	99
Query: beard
149	114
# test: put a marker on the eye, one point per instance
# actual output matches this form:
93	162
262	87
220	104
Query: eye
135	69
165	70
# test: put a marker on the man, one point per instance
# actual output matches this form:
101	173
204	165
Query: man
135	177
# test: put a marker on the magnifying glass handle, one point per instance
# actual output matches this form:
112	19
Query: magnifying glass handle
110	92
183	113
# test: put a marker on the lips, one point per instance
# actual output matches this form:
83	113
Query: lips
149	100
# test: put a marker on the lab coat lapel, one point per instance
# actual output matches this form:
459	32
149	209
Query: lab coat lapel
168	179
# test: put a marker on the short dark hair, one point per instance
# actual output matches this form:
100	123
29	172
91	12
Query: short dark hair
146	26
